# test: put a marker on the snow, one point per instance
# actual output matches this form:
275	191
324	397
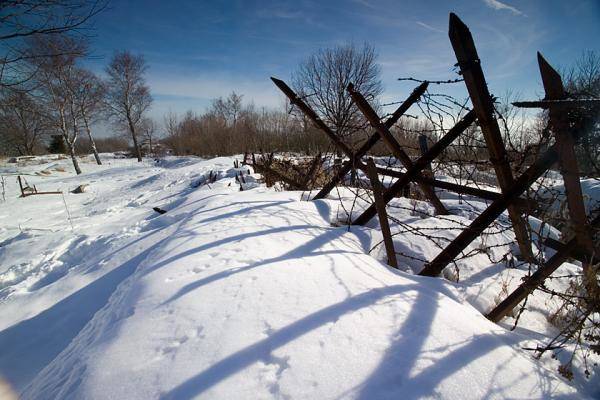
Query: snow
240	294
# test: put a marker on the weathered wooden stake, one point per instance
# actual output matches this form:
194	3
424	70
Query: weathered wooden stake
423	147
21	185
567	161
470	67
383	219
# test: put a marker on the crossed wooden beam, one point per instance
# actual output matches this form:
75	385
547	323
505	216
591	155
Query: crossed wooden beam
381	131
511	188
581	246
483	110
562	151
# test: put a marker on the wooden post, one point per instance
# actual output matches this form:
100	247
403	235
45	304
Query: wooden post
567	161
456	188
393	145
488	216
536	279
312	170
383	220
470	67
577	253
21	185
423	147
412	173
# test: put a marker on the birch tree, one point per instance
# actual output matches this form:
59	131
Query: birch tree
128	97
56	80
89	93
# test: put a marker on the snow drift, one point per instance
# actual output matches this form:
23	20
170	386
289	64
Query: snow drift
230	294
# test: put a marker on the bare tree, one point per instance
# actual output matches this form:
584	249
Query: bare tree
20	20
89	92
149	133
322	80
21	123
230	109
170	121
583	81
128	96
57	80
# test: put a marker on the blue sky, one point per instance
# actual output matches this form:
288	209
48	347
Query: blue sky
199	50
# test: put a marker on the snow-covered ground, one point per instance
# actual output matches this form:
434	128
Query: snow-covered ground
254	294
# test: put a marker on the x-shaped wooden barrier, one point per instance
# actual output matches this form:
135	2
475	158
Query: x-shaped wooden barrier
470	68
508	200
468	61
413	173
372	141
581	246
390	141
569	169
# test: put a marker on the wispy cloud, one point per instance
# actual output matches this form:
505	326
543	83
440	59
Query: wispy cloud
365	3
429	27
498	5
280	13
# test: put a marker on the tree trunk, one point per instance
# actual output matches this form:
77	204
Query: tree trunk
89	133
70	144
134	137
74	158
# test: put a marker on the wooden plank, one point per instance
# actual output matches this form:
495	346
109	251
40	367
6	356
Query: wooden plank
393	145
536	279
36	193
577	253
21	185
316	162
462	189
423	147
567	161
446	256
383	219
373	139
563	104
412	173
470	67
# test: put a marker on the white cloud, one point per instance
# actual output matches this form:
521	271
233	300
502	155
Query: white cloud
366	4
498	5
429	27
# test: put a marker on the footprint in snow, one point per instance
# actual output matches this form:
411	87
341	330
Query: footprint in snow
199	269
174	345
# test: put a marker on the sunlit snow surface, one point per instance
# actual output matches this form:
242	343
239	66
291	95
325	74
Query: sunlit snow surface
241	295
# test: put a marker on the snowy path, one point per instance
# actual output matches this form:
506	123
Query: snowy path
254	294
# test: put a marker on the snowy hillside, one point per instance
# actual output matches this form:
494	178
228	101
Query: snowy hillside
240	295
